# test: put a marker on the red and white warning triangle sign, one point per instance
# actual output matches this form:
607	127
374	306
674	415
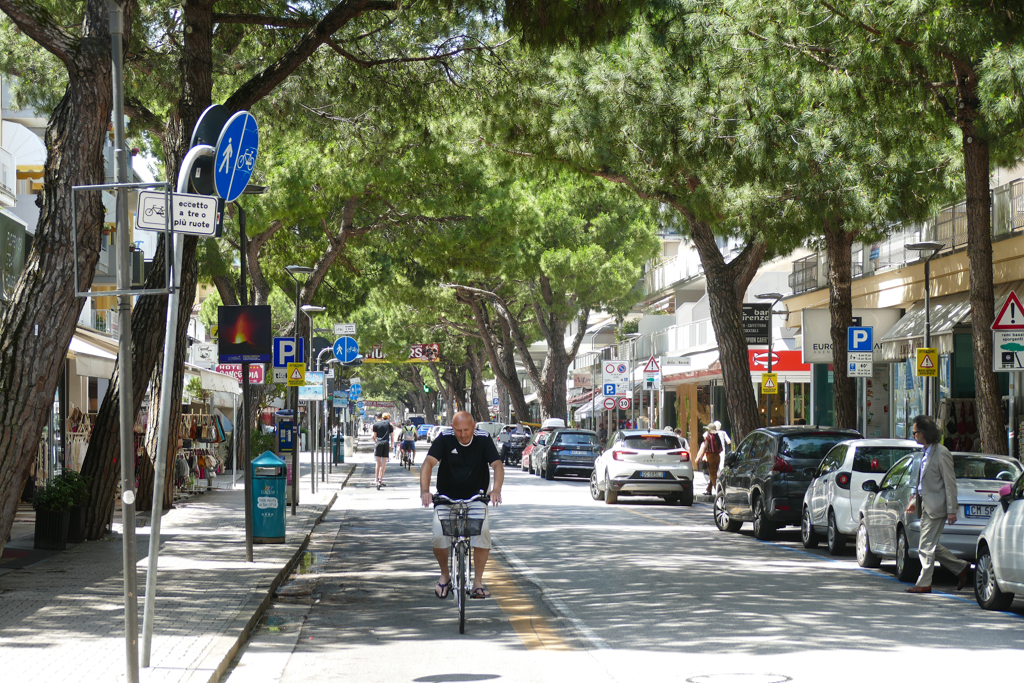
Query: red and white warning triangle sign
769	383
296	374
926	361
1011	315
652	365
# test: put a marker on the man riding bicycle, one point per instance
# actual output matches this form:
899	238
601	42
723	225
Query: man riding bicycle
462	455
409	441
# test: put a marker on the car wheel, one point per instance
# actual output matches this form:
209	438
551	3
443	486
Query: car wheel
907	568
610	496
549	472
686	497
836	540
986	587
723	520
865	558
807	536
595	490
763	529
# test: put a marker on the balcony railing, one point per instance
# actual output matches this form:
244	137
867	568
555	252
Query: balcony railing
677	340
105	321
670	271
805	274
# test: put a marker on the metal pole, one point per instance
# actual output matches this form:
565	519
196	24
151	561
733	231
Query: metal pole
296	434
124	305
768	397
234	439
243	425
162	447
927	333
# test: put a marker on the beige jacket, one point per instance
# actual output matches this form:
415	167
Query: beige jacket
938	484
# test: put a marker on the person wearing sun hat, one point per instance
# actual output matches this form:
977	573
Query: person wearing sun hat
711	448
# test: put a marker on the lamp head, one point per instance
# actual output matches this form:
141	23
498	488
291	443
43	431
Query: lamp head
924	246
310	308
770	296
298	270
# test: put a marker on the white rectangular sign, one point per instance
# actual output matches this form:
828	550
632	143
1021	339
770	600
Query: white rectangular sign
675	360
345	329
1007	350
194	214
855	369
816	325
615	373
280	375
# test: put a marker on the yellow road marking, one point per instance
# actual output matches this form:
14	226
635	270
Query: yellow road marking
532	627
651	517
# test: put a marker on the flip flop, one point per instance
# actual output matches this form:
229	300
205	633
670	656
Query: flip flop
441	590
480	593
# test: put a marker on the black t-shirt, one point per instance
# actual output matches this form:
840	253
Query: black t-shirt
382	430
462	471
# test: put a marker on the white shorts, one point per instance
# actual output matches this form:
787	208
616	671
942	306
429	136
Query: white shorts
481	541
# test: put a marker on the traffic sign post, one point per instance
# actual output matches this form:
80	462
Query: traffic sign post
616	375
192	214
235	160
1008	336
859	351
296	374
624	403
609	403
770	383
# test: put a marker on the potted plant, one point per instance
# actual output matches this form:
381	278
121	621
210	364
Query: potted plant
78	486
53	515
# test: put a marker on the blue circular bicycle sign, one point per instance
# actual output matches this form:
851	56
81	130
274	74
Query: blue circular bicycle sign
237	147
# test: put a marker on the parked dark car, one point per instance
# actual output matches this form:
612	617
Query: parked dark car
765	478
567	451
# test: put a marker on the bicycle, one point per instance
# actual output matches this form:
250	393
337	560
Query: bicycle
408	455
460	522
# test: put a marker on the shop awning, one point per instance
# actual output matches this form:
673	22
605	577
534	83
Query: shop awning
91	360
947	312
703	367
586	410
532	398
213	381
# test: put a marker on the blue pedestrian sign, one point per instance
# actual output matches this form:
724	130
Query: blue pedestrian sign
860	339
237	147
346	349
356	389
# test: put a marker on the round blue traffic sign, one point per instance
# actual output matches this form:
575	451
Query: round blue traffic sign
346	349
237	147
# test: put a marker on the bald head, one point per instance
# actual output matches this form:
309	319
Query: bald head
463	425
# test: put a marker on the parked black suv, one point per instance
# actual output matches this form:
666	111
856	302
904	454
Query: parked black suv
764	480
567	451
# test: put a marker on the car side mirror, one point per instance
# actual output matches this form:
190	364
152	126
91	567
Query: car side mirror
730	459
1005	493
871	486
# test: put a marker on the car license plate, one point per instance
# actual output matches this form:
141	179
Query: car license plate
652	475
577	452
979	511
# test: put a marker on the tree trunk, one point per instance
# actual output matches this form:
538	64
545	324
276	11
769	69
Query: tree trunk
476	361
838	244
38	324
726	285
500	353
979	256
445	392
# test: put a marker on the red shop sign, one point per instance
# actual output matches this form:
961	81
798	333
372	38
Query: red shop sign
782	361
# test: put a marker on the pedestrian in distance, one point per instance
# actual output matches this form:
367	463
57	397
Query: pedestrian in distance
602	433
462	455
711	451
382	433
937	504
724	436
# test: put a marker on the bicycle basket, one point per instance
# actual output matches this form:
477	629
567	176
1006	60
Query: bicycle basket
461	521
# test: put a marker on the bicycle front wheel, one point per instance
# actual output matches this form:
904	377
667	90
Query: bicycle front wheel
460	587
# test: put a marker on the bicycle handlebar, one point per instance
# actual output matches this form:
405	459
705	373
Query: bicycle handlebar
440	498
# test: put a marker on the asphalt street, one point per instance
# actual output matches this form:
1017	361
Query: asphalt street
588	591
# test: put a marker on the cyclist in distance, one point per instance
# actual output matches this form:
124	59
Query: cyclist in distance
382	433
462	455
409	437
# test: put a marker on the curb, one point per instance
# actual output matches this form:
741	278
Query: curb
217	670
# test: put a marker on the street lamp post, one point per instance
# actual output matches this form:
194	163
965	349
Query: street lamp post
296	441
308	309
774	297
932	248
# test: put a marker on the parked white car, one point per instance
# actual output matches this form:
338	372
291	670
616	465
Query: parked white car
832	501
434	431
642	462
999	569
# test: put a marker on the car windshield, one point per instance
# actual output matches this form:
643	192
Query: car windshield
577	439
878	459
652	442
809	446
980	467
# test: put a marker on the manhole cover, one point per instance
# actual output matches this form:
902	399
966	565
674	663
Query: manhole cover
739	678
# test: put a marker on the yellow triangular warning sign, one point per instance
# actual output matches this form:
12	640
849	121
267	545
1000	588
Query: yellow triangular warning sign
926	362
296	374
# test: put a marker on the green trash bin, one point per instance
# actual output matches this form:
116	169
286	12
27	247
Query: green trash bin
338	448
268	498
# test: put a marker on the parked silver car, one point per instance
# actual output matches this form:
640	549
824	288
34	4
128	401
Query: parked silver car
889	528
832	502
999	570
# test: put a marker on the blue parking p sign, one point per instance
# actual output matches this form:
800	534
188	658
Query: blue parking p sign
609	389
860	339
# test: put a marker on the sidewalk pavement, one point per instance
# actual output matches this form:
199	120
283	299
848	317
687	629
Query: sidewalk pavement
62	618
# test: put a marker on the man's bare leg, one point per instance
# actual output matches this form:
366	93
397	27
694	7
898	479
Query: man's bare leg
480	556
